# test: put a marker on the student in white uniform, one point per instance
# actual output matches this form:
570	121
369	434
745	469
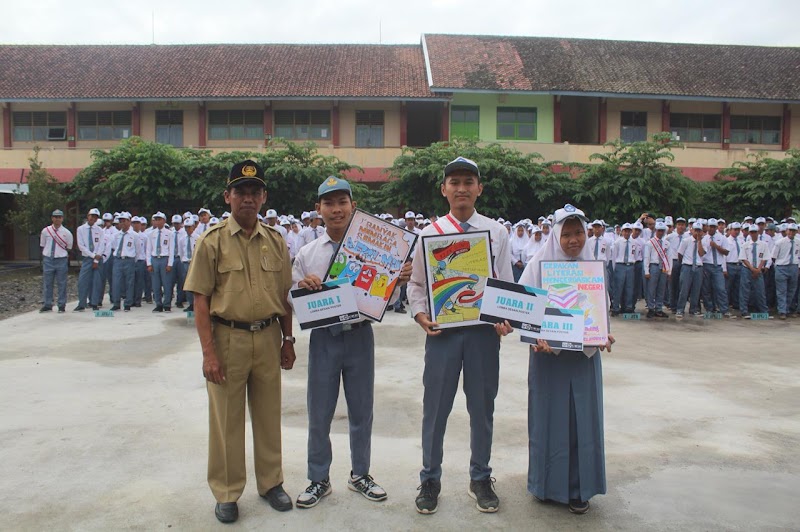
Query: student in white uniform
313	231
534	244
623	255
56	242
657	268
786	255
272	221
715	297
754	256
90	243
517	241
187	239
675	240
691	256
734	266
123	248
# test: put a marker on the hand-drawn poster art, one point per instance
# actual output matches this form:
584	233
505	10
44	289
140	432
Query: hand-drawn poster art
371	255
580	285
456	268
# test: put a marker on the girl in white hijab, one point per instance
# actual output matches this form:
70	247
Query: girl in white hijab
518	240
534	244
565	393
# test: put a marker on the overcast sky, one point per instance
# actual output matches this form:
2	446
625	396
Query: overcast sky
762	22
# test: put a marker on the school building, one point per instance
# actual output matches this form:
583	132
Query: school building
562	98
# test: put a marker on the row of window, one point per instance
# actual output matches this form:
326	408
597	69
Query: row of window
222	125
513	123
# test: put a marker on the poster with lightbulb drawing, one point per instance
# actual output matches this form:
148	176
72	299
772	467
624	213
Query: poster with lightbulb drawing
370	256
456	268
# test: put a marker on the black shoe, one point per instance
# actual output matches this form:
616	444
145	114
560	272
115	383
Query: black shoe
167	309
127	308
190	308
428	499
137	305
148	300
614	313
227	512
401	310
158	309
95	307
178	305
278	498
483	492
661	314
45	309
79	308
578	507
62	310
115	307
651	313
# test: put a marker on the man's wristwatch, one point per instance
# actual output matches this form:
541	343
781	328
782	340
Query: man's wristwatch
290	339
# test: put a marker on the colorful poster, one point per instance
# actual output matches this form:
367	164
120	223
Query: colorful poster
456	269
580	285
371	255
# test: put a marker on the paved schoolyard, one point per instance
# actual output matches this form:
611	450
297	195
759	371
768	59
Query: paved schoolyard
104	428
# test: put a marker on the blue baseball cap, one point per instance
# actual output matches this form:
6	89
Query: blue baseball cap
332	184
58	212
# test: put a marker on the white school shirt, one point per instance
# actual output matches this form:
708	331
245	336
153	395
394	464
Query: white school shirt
185	243
85	233
675	240
734	250
687	251
108	238
600	245
315	258
762	252
63	237
720	240
141	245
128	242
618	250
501	256
781	253
167	246
309	234
293	243
278	228
651	256
640	247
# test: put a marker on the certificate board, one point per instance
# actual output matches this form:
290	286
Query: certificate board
457	266
522	306
561	328
334	303
580	285
370	257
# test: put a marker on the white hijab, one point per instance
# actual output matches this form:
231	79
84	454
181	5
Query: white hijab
518	243
534	245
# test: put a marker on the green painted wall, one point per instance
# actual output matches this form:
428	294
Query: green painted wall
489	103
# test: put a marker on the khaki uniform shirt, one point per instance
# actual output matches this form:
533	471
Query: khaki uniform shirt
247	279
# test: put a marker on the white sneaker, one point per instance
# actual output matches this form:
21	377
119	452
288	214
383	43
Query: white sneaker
314	493
366	487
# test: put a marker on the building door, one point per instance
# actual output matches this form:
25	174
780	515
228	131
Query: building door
169	128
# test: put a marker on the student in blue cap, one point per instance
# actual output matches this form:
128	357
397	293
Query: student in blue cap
341	352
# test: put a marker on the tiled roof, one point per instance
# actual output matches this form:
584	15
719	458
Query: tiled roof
212	71
613	67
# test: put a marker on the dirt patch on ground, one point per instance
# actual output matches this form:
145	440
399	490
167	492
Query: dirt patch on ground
21	290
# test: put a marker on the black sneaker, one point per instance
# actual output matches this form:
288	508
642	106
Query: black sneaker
158	309
95	307
428	499
167	309
661	314
137	305
483	492
45	309
79	308
367	487
401	310
578	507
314	493
651	313
178	305
115	307
127	308
62	310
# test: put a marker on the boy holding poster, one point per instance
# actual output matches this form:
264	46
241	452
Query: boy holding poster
341	351
475	348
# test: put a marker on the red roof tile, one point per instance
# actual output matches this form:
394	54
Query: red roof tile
212	71
613	67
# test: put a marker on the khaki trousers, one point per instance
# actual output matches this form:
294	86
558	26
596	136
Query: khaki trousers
251	361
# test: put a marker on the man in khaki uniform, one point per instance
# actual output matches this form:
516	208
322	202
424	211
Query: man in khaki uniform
240	276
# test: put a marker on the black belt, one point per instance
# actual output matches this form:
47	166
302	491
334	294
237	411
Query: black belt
244	325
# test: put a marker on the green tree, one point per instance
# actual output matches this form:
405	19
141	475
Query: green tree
633	178
515	185
763	185
32	211
139	175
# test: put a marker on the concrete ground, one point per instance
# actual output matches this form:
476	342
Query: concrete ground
104	428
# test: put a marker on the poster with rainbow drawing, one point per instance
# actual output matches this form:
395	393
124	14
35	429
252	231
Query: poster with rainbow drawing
456	268
371	255
580	285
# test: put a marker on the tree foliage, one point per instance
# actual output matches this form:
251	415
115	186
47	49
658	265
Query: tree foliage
515	185
145	176
763	185
633	178
33	210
